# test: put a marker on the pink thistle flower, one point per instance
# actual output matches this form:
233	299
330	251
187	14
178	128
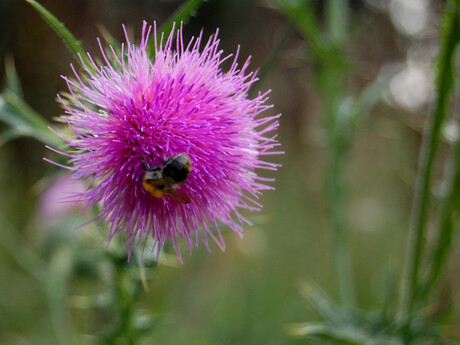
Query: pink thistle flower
53	205
133	108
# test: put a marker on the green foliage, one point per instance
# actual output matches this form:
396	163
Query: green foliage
342	113
450	38
20	118
357	327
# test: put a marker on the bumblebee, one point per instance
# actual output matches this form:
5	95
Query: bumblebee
164	180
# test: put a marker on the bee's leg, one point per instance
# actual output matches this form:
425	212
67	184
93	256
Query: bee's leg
147	168
144	165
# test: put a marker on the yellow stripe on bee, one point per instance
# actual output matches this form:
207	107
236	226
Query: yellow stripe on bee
152	190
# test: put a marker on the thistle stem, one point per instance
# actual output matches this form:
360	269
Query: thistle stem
443	241
333	77
419	213
336	203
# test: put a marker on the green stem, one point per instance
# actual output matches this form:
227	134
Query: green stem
449	207
337	20
125	294
443	242
56	285
336	202
327	46
416	241
333	79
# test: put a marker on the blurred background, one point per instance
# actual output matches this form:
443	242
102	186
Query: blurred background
249	293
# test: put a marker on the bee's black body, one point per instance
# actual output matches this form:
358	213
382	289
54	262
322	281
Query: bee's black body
161	181
177	168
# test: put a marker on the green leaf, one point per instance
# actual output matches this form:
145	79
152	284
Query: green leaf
339	335
369	97
73	44
182	14
322	304
319	329
304	15
8	135
23	120
20	118
12	80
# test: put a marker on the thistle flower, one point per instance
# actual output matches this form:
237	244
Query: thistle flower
134	112
52	207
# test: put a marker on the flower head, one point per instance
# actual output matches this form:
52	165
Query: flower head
52	205
131	115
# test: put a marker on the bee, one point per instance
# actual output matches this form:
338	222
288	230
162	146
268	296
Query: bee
164	180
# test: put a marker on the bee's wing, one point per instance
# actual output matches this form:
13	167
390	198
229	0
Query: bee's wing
178	196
